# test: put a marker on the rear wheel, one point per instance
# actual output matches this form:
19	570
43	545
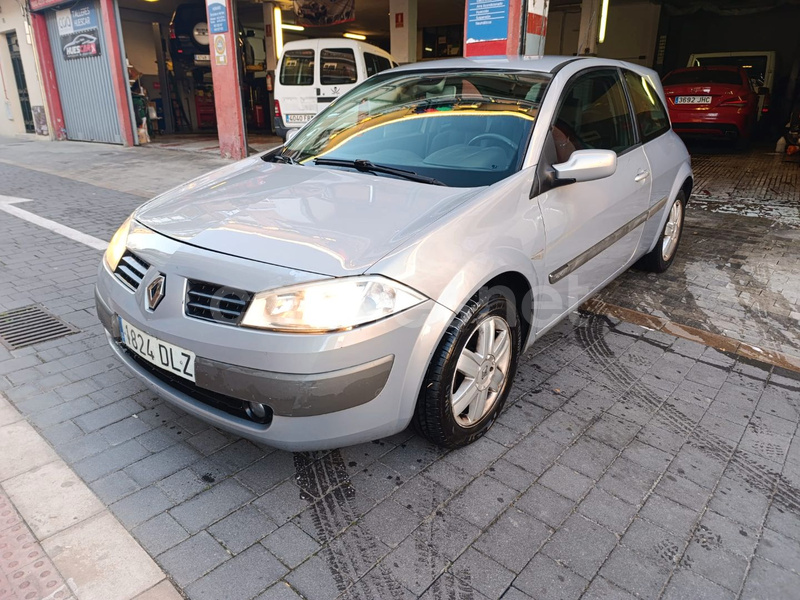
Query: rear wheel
470	373
660	258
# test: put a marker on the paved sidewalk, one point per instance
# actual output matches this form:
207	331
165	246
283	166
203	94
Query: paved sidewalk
629	463
57	540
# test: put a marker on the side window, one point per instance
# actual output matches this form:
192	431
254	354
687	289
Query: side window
650	112
297	67
593	114
337	66
375	63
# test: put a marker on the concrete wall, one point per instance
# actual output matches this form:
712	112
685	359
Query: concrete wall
11	19
630	35
139	46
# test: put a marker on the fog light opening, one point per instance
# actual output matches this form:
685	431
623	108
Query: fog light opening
260	413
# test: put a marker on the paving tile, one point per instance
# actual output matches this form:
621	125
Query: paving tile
319	578
511	475
290	544
566	482
415	563
23	449
625	569
390	522
545	579
242	528
51	498
545	504
602	589
114	486
282	503
589	457
766	580
669	514
686	584
581	545
421	495
447	533
607	510
704	556
162	464
627	480
447	585
240	578
140	506
513	539
159	534
211	505
357	551
482	500
779	549
193	558
482	573
279	591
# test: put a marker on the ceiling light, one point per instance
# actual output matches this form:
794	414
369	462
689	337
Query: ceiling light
355	36
285	25
277	22
601	36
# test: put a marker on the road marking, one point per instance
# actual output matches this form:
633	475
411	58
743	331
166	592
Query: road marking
6	205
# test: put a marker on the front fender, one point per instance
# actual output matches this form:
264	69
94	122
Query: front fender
499	231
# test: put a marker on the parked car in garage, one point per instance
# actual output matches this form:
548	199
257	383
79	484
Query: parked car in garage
712	102
313	73
392	262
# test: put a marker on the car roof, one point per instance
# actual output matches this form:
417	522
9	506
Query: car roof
539	64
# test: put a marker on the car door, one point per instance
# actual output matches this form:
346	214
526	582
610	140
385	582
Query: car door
338	73
590	226
664	150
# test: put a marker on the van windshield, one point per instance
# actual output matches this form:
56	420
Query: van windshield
462	128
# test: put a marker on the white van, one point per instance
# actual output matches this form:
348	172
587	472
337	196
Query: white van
759	65
313	73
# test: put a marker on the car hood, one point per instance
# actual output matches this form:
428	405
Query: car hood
332	222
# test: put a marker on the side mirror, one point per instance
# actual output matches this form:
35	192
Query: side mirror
586	165
763	91
291	133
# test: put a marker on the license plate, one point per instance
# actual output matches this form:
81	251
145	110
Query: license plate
298	118
169	357
202	57
692	99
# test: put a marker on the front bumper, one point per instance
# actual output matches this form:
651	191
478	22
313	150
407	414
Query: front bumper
322	391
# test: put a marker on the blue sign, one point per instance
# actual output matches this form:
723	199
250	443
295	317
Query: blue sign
217	18
84	16
487	20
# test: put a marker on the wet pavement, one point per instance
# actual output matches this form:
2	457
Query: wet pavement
629	462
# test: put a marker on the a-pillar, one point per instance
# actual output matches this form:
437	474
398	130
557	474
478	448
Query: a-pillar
403	28
536	27
224	47
590	21
493	27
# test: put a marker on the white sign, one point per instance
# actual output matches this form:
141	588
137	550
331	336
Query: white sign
64	20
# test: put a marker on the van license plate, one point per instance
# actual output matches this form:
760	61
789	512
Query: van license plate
298	118
167	356
692	99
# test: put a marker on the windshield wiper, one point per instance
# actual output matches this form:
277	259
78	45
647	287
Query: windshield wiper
284	158
366	166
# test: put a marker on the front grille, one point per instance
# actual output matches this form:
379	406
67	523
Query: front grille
229	404
217	303
131	270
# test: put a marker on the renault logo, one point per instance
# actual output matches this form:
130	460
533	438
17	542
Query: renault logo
155	291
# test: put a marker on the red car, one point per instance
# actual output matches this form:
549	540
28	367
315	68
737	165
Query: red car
712	102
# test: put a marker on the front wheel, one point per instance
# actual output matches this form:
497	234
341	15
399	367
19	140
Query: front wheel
660	258
470	373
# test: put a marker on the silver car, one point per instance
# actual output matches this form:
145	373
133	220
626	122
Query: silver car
392	262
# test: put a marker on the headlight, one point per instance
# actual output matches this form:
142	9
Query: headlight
330	305
116	247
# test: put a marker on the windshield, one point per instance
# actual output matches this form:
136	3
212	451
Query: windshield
462	128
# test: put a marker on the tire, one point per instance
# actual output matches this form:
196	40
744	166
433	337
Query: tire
487	315
655	261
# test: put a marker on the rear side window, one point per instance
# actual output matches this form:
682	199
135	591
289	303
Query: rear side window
724	76
375	63
650	112
297	67
337	66
593	114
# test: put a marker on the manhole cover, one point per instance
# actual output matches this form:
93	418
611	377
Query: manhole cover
30	325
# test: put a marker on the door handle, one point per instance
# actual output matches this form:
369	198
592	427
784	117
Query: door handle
641	176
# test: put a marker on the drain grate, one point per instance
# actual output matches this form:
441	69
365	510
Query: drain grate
30	325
